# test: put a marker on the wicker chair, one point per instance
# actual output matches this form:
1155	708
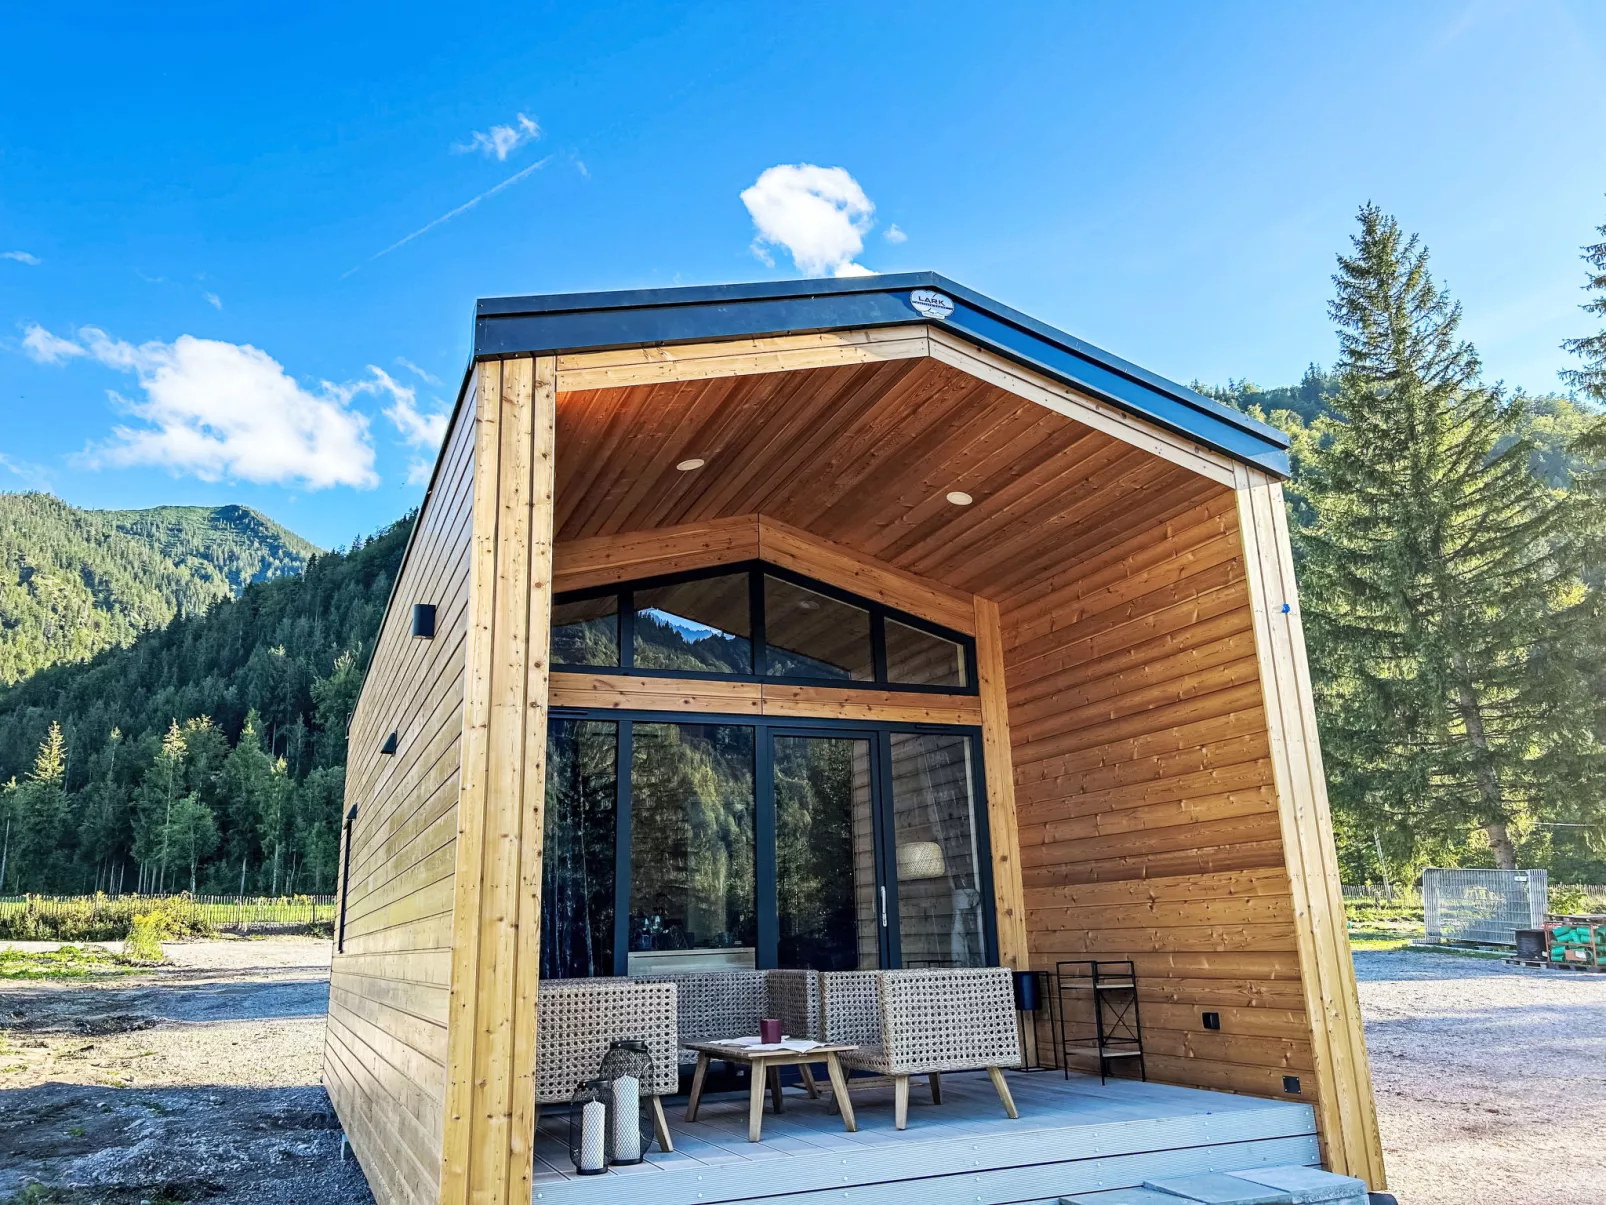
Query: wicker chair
926	1022
577	1018
728	1004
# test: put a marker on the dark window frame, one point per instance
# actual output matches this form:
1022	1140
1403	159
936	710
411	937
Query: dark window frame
766	889
757	570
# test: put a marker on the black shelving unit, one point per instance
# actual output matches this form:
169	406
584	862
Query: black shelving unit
1098	1013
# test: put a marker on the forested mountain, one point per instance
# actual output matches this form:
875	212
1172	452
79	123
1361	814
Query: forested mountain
75	581
210	751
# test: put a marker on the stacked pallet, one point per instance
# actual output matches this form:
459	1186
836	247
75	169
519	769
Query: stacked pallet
1575	942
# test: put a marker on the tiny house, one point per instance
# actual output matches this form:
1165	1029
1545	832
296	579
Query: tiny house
835	624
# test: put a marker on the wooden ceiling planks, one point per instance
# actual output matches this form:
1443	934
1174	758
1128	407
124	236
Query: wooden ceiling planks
864	455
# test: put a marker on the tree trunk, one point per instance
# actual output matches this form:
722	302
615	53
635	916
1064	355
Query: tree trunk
1505	853
1483	772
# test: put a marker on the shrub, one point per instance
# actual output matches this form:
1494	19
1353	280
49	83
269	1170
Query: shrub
92	918
144	940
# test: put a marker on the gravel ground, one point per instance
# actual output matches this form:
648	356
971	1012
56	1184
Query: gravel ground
197	1081
1490	1079
200	1081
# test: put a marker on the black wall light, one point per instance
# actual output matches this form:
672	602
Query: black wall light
390	744
424	621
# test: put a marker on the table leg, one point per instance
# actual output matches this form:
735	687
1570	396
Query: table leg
774	1074
839	1092
809	1085
696	1096
755	1100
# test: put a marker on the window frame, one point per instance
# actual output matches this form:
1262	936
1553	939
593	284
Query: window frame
756	571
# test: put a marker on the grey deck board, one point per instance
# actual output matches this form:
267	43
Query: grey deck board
1073	1136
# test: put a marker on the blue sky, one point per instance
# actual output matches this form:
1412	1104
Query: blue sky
204	301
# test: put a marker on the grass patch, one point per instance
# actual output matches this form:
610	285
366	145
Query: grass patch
69	962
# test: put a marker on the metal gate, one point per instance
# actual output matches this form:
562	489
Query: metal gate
1483	905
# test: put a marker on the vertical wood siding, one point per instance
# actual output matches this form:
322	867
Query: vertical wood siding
385	1047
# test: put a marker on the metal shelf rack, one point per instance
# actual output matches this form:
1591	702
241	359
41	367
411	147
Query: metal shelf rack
1108	990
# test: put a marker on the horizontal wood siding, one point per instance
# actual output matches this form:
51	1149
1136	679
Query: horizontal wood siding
1146	800
385	1049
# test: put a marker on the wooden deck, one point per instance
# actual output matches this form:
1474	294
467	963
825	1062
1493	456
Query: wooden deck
1072	1136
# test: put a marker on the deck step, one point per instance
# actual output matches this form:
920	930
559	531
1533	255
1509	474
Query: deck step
1288	1185
1218	1188
1310	1185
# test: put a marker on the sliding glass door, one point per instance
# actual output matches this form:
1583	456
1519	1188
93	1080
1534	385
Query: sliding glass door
699	843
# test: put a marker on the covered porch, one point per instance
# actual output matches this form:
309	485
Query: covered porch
1073	1136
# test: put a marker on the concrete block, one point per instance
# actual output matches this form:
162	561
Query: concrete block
1216	1188
1309	1185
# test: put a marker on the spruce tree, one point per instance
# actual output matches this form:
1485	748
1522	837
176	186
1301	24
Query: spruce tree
1590	377
1439	572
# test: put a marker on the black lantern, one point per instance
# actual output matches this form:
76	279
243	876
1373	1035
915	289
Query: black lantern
590	1125
628	1069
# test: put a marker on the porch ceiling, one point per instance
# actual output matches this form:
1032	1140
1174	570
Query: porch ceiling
864	455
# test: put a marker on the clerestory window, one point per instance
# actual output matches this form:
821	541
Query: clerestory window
756	622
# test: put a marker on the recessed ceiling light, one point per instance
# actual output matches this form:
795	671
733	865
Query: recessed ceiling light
960	498
686	466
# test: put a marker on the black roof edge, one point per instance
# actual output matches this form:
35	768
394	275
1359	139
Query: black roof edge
574	322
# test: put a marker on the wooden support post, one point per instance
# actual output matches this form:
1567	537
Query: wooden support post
1003	835
490	1074
1345	1112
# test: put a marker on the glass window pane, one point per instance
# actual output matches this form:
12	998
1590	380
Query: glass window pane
691	847
703	625
920	658
825	854
586	632
940	906
810	635
577	867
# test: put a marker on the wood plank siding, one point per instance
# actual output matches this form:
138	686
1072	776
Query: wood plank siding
385	1049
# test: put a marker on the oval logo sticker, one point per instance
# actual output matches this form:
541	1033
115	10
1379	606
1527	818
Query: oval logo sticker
929	303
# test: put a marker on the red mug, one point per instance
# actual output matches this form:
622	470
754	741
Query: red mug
769	1030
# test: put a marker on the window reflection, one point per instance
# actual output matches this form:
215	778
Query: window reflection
586	631
811	635
577	865
940	904
919	658
692	847
701	625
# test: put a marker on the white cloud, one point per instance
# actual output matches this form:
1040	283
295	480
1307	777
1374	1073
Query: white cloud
22	257
41	345
502	140
428	378
32	475
893	235
213	300
224	410
418	428
819	214
418	472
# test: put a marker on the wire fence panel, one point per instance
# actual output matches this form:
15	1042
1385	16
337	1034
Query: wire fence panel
1483	905
262	914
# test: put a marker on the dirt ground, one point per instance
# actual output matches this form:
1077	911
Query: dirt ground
199	1081
1490	1079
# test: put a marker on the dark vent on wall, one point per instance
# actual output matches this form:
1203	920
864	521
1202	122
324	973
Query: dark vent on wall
390	744
424	621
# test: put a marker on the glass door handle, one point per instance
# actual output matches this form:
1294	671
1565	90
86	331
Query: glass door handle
883	906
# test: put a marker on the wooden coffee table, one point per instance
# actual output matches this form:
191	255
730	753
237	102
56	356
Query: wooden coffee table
764	1066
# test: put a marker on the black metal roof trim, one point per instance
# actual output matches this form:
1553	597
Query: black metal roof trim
577	322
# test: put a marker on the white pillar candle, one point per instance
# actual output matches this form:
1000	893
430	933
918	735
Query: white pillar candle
626	1119
593	1124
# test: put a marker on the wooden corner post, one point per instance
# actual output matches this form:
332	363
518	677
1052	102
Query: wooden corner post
490	1071
1346	1112
1002	830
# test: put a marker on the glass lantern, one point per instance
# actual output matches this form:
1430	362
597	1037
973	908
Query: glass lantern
591	1127
627	1068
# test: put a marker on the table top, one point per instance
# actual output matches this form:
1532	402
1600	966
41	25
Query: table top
728	1049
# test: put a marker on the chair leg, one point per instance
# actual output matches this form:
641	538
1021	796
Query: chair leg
996	1074
536	1128
660	1125
900	1101
809	1085
936	1087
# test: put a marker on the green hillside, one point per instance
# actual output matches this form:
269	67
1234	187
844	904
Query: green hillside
75	582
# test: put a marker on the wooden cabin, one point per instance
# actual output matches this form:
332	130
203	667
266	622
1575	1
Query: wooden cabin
688	553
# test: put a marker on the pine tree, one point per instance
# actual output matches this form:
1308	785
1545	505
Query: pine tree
1590	379
1440	573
